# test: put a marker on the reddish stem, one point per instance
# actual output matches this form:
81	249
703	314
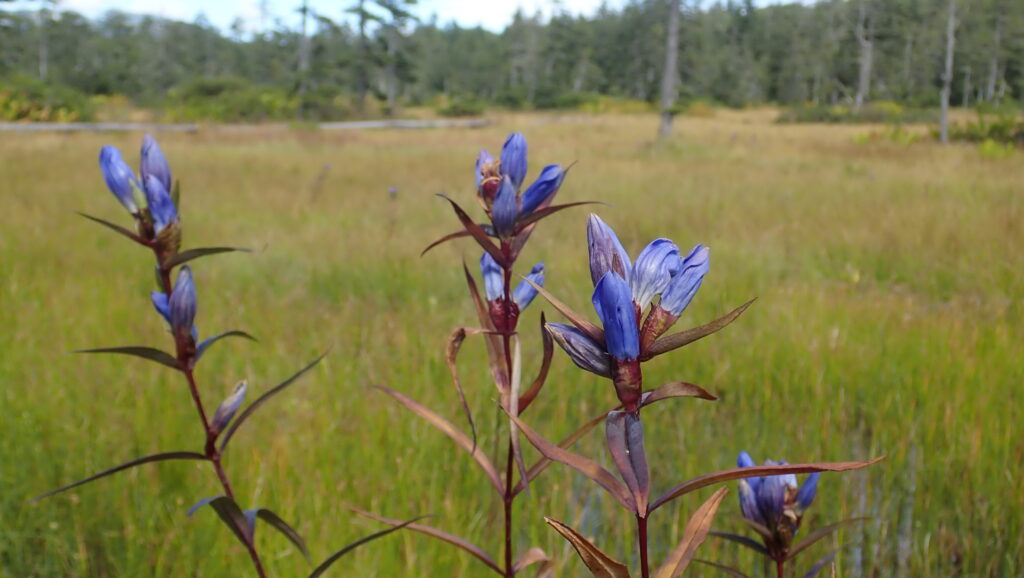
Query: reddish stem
509	497
780	567
641	525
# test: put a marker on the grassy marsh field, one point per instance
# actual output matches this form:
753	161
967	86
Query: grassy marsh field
888	322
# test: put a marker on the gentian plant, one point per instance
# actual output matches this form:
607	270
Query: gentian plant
152	200
773	507
636	303
513	212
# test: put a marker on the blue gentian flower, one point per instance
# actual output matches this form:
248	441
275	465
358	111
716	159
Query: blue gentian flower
161	206
547	183
499	182
227	409
154	163
684	285
524	292
653	271
775	502
606	252
119	177
583	351
614	304
494	277
513	159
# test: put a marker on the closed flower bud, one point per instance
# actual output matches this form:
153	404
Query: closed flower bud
582	350
606	252
119	177
684	285
653	270
505	210
182	306
494	277
160	303
228	408
154	163
543	189
614	304
513	159
776	502
524	292
161	207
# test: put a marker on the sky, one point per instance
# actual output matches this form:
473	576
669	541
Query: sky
221	13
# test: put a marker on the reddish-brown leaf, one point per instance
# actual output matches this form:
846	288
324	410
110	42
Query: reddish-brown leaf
446	238
818	534
440	535
694	534
743	541
675	389
585	466
544	462
549	351
495	353
451	354
677	340
541	213
478	234
601	565
581	323
532	556
451	431
754	471
625	436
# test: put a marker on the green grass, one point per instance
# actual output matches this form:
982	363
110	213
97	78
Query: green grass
888	322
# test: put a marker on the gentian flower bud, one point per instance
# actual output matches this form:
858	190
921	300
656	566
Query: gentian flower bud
583	351
606	252
545	187
614	304
161	207
228	407
653	270
494	277
119	177
505	210
161	305
182	307
524	292
775	502
513	159
154	163
684	285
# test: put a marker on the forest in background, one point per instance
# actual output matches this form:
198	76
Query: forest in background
372	58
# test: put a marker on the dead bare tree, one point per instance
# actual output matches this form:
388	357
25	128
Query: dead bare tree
668	78
947	74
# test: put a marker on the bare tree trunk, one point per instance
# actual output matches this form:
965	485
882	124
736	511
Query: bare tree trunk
42	21
362	72
303	60
668	78
947	74
993	70
966	101
867	55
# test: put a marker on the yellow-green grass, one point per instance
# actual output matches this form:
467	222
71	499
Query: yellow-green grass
889	284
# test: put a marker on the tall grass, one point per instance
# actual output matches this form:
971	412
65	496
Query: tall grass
888	322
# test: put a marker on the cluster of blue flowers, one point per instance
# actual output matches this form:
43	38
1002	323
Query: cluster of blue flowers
776	503
624	298
149	202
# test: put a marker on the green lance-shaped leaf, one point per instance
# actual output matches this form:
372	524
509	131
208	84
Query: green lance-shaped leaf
130	464
477	232
743	541
191	254
452	432
263	399
818	534
727	569
585	466
278	524
232	516
756	471
601	565
116	228
206	343
150	353
694	534
677	340
456	541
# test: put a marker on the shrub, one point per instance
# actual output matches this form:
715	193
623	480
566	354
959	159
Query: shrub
462	106
27	99
875	112
230	100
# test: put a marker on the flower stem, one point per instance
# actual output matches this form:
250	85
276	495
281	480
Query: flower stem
780	567
641	525
509	497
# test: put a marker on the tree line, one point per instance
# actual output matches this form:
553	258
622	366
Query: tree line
733	53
